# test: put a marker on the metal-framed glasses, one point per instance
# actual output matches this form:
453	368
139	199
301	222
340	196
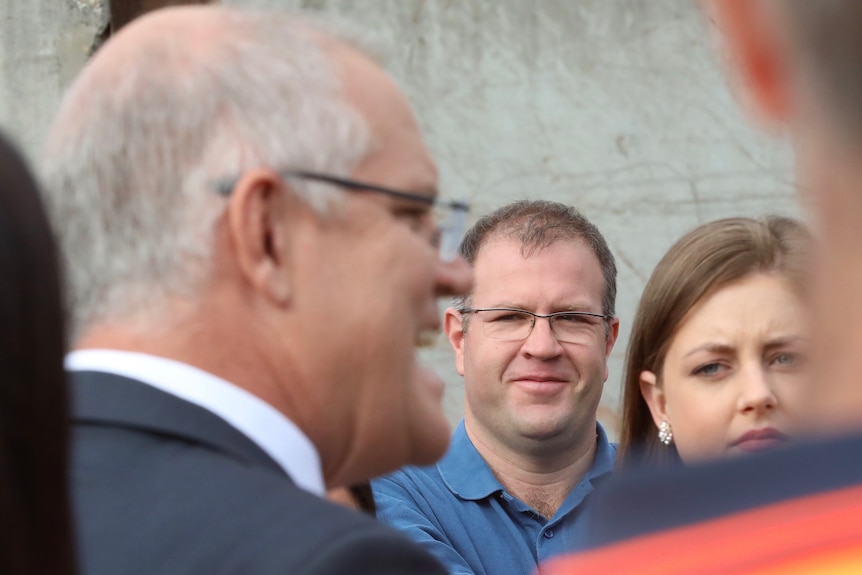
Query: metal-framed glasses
512	324
450	216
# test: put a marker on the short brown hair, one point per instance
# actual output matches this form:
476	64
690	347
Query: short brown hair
537	224
702	262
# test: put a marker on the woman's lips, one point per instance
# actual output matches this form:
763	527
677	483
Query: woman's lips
759	439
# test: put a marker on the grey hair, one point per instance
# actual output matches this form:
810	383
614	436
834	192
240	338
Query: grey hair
134	154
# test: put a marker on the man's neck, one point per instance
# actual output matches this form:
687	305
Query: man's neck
194	343
540	477
837	389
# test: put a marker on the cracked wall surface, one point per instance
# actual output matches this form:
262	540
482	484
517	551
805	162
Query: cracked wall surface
43	44
618	107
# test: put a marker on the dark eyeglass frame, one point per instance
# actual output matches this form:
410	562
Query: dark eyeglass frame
550	317
225	187
452	233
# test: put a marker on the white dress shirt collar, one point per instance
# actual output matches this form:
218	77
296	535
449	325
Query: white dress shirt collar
279	437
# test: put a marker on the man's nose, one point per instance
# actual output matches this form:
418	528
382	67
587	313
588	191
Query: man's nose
453	278
542	343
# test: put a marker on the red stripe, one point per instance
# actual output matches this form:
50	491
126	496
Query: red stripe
767	537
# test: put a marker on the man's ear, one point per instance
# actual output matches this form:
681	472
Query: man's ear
756	41
654	397
258	223
454	326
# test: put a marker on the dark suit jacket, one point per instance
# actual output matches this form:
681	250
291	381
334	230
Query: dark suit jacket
162	486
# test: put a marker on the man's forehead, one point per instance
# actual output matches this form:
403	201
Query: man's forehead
507	254
367	87
508	242
396	146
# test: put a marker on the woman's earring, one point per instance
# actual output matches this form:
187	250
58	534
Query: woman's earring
665	435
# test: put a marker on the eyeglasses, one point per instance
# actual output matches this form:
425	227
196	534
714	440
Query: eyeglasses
450	216
511	324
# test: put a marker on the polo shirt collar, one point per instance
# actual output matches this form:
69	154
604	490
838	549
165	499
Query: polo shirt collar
466	474
606	455
464	471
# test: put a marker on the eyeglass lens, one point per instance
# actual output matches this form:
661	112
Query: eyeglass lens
505	325
452	227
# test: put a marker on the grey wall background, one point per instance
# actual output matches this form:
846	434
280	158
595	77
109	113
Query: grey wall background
618	107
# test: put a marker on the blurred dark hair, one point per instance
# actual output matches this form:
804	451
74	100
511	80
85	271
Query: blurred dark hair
364	497
35	517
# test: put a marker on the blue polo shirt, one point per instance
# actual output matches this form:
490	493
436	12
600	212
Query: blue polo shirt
462	514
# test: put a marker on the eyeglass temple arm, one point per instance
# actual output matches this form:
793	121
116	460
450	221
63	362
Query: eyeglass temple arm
225	187
345	183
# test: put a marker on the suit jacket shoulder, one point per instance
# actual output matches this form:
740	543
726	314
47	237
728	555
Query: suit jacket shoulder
164	486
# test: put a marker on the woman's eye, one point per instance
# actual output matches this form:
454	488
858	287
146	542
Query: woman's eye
788	359
708	369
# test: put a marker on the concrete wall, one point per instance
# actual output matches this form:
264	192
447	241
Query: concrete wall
43	44
618	107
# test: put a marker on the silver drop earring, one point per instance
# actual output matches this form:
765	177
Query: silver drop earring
665	434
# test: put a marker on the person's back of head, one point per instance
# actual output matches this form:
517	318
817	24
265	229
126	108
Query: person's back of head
218	176
799	66
35	517
146	136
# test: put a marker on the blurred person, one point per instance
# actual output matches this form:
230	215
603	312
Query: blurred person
532	342
247	210
718	357
35	513
798	65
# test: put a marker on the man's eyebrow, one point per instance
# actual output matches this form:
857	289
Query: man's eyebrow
505	305
430	191
580	307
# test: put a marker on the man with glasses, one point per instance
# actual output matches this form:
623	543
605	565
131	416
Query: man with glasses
532	342
247	210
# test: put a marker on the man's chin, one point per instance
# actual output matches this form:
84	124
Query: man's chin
428	385
430	444
422	441
429	428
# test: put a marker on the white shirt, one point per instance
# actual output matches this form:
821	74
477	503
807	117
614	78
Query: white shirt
278	436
